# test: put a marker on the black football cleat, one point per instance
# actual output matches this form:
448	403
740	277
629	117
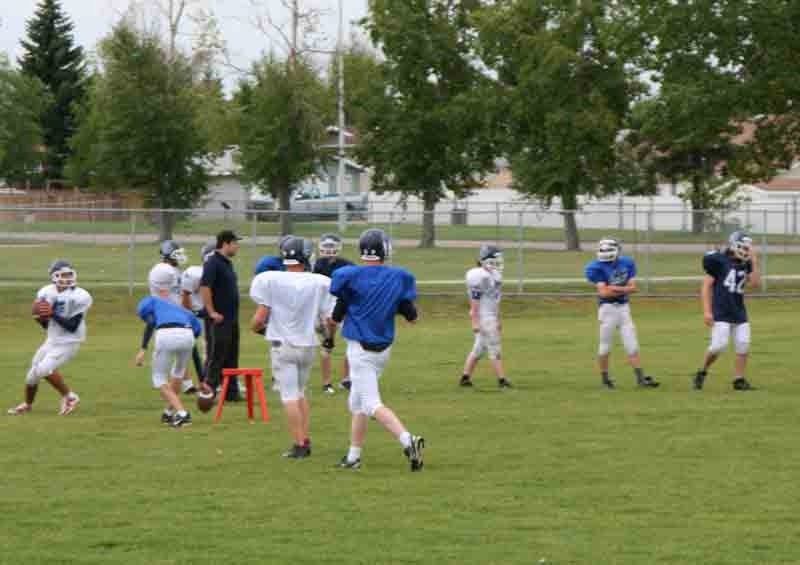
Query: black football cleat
465	381
179	421
166	418
345	384
504	383
328	389
699	380
297	452
608	383
647	382
742	384
347	464
414	453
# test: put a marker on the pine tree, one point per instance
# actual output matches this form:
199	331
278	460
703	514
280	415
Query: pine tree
52	57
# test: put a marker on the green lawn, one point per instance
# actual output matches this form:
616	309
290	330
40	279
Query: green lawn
433	267
554	471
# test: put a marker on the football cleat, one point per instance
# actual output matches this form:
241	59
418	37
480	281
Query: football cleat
166	417
742	384
414	453
179	421
20	409
608	382
275	386
647	382
465	381
345	384
504	383
69	403
698	380
345	463
328	389
297	452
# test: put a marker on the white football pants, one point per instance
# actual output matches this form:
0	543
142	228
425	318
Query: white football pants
612	317
48	358
487	340
365	370
291	367
171	354
721	333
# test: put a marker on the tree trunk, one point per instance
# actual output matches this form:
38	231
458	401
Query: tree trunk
569	203
166	223
698	206
285	209
428	222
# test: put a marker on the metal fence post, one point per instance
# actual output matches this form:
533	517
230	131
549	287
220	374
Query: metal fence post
684	217
764	253
520	245
635	231
647	252
254	237
794	215
621	219
132	254
785	226
497	223
391	231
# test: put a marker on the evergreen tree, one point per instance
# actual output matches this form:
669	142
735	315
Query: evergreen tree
52	57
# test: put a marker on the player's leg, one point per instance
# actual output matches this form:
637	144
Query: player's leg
187	385
720	335
325	360
478	350
55	356
492	341
305	362
607	316
741	341
355	402
285	370
630	342
345	382
180	346
32	380
166	378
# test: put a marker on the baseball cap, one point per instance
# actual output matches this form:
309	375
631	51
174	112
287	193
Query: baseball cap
226	236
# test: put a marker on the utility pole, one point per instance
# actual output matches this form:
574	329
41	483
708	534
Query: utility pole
341	170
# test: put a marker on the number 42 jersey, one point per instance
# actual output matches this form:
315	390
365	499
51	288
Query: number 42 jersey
730	278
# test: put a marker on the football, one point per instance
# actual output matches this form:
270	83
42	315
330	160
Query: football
205	401
41	310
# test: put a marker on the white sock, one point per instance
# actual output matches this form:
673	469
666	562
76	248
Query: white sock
169	411
182	413
405	439
353	454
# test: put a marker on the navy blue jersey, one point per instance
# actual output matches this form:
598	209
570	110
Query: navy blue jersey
329	265
157	312
373	295
613	273
730	277
269	263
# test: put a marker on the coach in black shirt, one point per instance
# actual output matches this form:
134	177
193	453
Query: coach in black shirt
220	293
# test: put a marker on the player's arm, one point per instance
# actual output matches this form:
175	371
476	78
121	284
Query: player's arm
408	310
705	295
69	324
754	278
474	313
605	290
629	288
260	319
186	299
208	301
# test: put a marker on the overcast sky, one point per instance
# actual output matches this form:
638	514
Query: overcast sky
93	19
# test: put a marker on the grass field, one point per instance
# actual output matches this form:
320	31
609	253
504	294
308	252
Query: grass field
555	471
437	270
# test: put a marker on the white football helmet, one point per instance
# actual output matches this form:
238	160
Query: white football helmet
491	258
740	245
608	249
162	277
62	274
330	245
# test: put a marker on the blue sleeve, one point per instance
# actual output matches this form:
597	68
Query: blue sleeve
196	327
209	274
711	264
409	286
632	268
340	283
145	309
595	274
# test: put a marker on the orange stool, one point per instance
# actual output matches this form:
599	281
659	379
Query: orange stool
253	379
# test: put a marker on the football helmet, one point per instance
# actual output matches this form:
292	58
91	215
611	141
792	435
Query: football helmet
490	257
740	245
62	274
172	252
608	249
208	248
330	245
163	277
374	245
296	251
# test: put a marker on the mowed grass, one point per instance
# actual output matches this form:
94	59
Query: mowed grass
437	270
555	471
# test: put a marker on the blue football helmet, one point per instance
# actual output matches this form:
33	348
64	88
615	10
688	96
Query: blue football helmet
374	245
172	252
740	245
490	257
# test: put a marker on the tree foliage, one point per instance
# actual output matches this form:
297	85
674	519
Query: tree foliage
139	127
281	127
22	101
425	122
564	93
51	56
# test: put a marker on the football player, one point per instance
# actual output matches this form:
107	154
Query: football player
614	277
66	330
484	284
728	271
172	257
175	329
369	297
330	245
191	299
290	304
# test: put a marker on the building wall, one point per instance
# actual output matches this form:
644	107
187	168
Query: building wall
230	191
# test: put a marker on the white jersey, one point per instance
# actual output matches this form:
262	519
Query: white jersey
190	282
67	304
296	301
174	291
486	287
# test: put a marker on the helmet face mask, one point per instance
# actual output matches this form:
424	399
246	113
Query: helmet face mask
329	245
63	275
740	245
490	258
608	250
172	252
374	245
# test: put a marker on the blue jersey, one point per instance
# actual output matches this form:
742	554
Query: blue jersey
269	263
372	295
730	276
158	312
616	273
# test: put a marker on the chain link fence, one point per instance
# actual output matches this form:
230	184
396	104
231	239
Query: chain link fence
117	247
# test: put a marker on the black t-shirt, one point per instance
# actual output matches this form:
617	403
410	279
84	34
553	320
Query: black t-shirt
730	277
328	265
219	276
